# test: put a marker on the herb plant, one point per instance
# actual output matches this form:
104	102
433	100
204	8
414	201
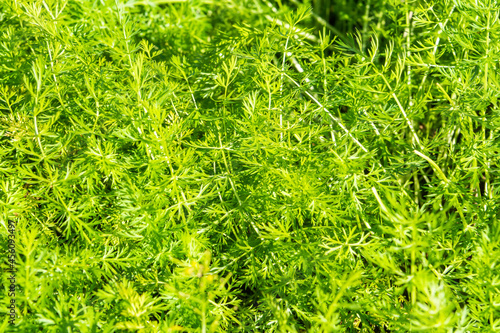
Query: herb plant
251	165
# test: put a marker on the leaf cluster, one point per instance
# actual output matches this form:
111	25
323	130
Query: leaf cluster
241	166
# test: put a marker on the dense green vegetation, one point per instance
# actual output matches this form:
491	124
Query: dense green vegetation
251	165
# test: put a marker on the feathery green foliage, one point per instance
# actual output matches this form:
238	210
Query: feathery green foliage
251	165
